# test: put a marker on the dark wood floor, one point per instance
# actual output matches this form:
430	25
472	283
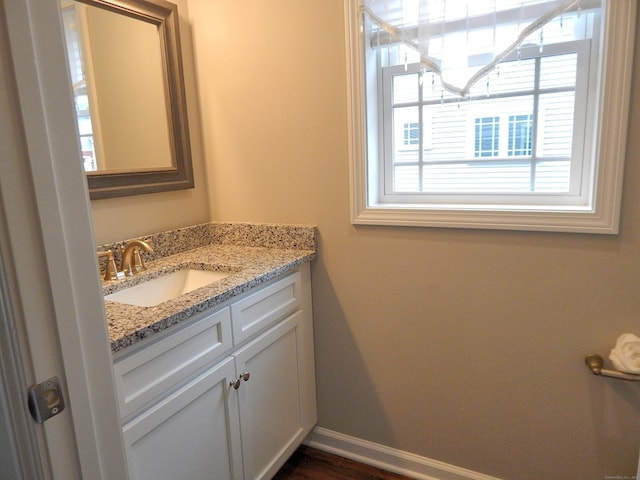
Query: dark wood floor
309	463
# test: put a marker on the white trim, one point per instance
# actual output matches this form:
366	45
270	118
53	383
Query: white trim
610	141
21	443
386	458
60	191
355	114
614	105
20	455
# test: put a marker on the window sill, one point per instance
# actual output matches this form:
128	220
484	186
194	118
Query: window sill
551	221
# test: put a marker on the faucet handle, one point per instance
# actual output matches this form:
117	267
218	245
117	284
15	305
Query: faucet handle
126	265
137	264
110	270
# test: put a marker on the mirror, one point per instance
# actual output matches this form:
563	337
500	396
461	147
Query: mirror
126	73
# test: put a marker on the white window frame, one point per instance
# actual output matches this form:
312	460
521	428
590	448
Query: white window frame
580	190
602	211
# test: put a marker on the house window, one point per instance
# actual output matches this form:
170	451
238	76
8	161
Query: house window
411	133
517	150
520	130
487	137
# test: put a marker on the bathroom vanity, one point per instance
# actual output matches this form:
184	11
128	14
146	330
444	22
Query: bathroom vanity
218	382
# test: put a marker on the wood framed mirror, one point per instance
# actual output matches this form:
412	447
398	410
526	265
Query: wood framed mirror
128	83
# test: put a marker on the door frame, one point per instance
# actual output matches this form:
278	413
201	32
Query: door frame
47	226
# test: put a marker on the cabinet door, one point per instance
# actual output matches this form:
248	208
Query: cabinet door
191	434
271	410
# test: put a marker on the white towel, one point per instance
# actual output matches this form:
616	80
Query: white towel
626	354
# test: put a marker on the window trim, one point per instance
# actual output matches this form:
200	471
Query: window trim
612	109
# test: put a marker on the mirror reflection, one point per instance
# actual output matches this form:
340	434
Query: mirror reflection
117	77
125	63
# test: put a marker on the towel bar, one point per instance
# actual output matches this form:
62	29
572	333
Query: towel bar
595	363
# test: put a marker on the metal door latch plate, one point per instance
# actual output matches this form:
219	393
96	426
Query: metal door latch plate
46	400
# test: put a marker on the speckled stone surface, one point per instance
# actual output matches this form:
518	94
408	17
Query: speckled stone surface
264	235
251	253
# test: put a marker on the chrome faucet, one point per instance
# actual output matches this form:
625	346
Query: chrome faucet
131	259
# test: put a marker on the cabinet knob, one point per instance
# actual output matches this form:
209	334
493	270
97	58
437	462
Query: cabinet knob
236	383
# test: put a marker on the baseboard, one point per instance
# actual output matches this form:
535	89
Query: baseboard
390	459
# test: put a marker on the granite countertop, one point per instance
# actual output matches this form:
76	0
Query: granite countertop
248	266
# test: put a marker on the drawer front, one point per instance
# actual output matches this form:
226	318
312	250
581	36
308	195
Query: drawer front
256	312
157	368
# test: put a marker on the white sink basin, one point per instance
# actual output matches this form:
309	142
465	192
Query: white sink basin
166	287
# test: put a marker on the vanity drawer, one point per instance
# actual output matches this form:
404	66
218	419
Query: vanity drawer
145	375
261	309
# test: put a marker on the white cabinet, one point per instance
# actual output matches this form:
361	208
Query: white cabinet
272	423
205	403
190	434
159	367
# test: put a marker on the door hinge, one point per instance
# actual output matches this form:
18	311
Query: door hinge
46	399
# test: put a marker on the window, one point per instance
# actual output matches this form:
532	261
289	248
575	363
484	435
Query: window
517	151
411	133
73	20
520	130
487	137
